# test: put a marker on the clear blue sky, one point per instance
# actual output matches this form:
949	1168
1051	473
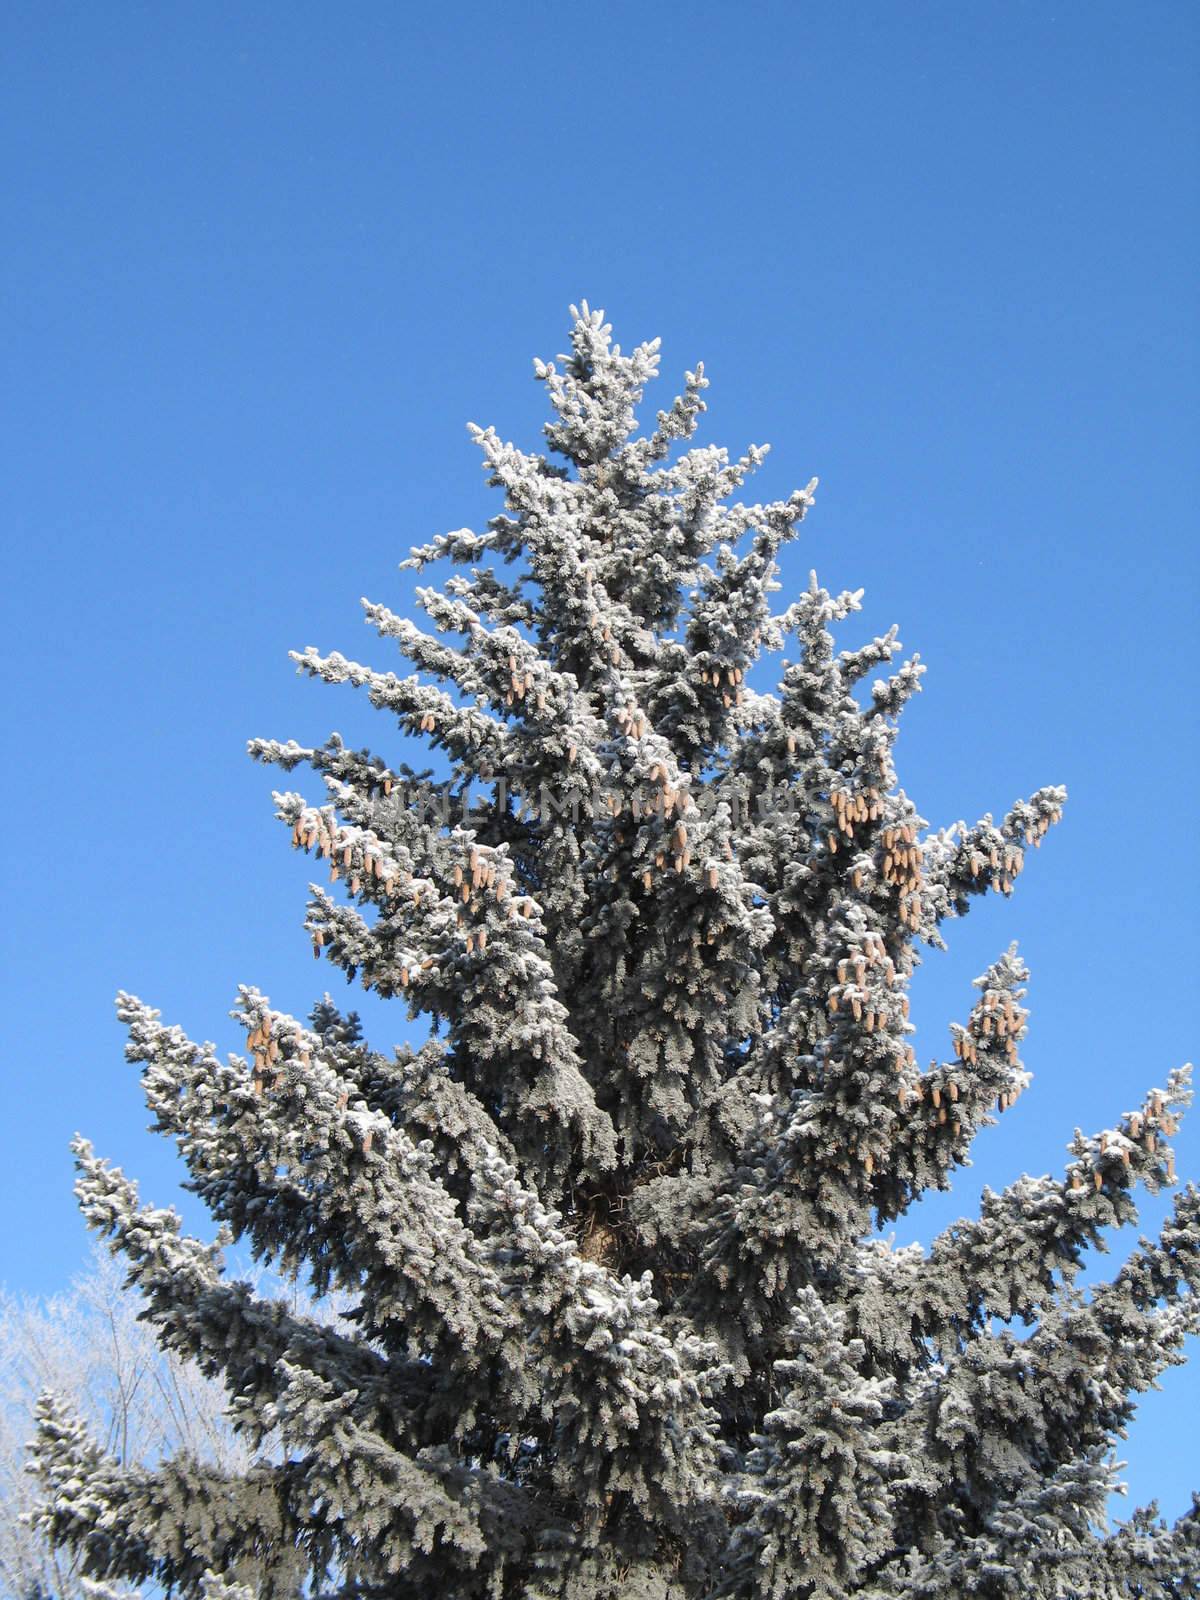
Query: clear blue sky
264	262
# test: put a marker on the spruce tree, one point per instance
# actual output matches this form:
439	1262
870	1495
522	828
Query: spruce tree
623	1320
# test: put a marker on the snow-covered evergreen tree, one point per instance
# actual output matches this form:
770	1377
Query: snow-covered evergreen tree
624	1321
